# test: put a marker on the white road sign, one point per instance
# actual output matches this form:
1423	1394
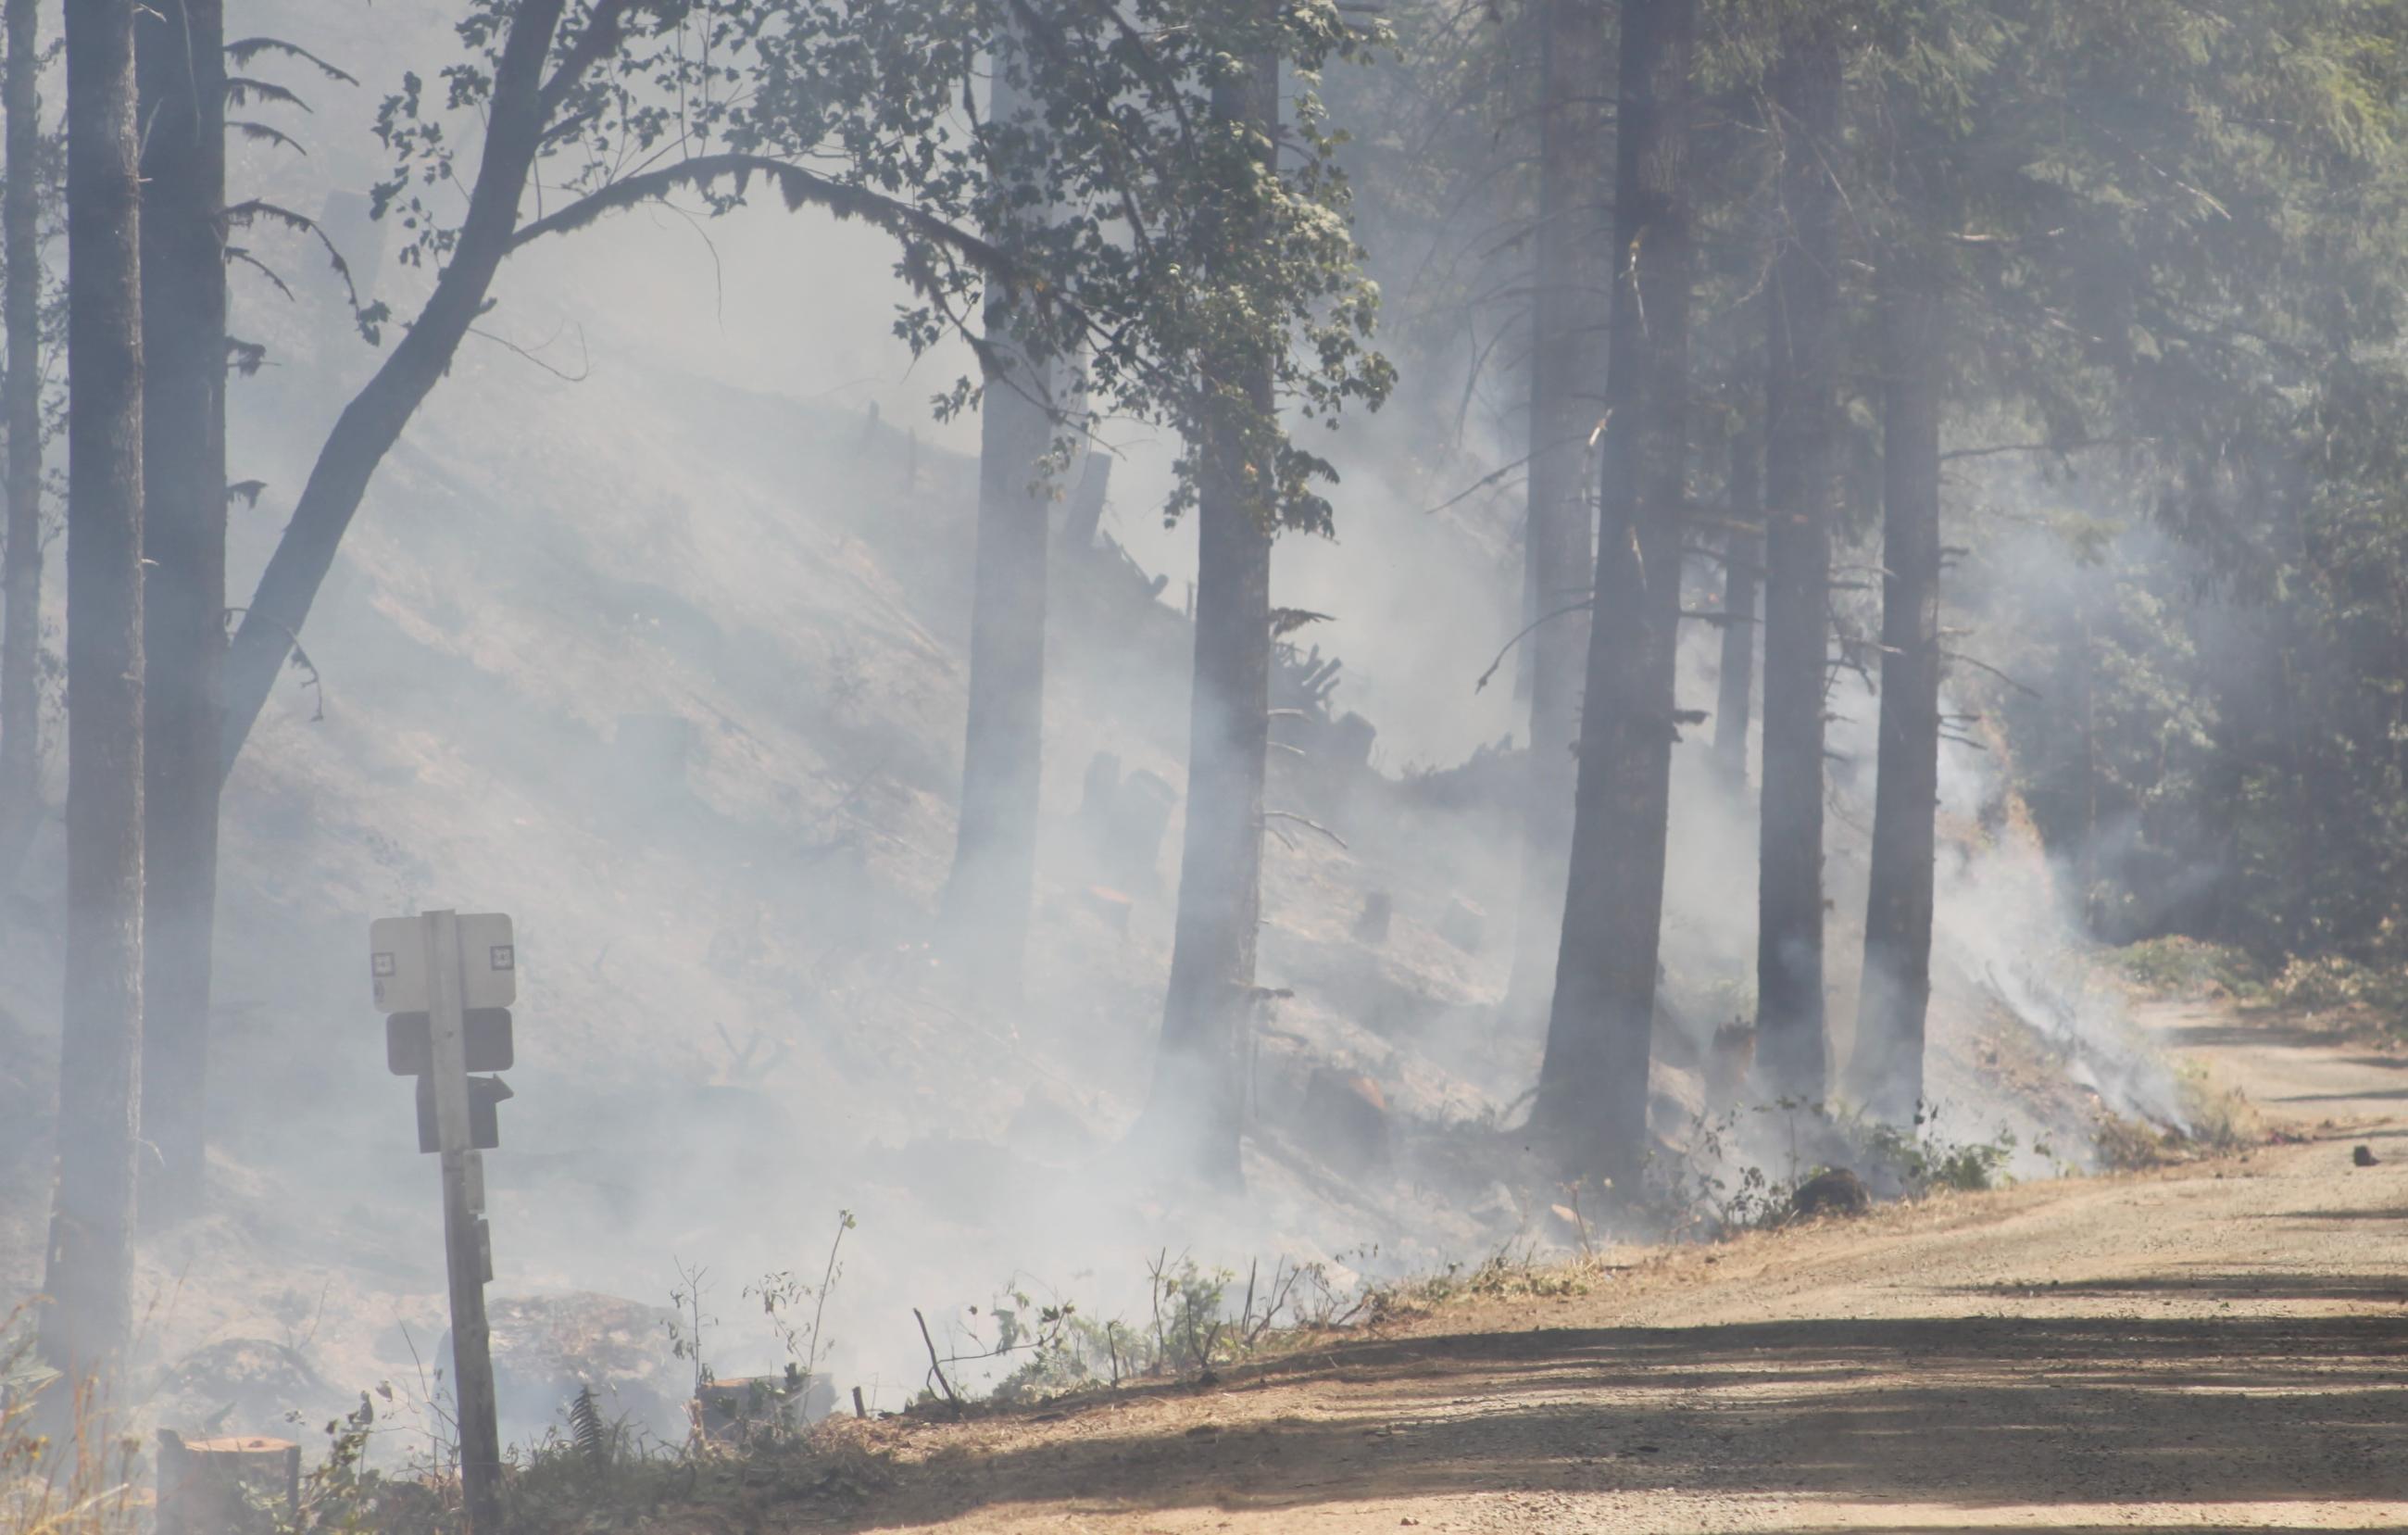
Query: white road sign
488	962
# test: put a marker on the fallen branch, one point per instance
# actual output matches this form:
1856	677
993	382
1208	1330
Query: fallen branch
2060	449
1313	826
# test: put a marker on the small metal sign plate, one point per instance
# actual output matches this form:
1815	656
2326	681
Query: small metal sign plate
485	1040
397	962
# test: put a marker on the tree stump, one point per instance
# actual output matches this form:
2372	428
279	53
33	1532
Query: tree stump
1732	1060
1351	739
1112	905
1096	794
746	1408
1141	814
1836	1192
1372	924
1345	1120
218	1487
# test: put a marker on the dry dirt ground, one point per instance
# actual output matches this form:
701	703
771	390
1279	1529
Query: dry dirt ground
2222	1346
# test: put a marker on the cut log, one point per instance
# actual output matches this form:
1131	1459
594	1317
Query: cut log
212	1486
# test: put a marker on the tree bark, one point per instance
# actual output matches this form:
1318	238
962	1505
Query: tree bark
373	422
21	565
1592	1097
180	53
1800	488
988	897
88	1275
1569	298
1197	1108
1887	1066
1742	572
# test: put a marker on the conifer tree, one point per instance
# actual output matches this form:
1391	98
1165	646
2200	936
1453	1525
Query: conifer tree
1802	341
88	1274
1592	1095
181	66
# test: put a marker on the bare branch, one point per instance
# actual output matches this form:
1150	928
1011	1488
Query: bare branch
798	186
584	371
1478	485
1984	666
1582	606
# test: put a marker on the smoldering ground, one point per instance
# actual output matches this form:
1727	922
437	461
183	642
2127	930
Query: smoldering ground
655	638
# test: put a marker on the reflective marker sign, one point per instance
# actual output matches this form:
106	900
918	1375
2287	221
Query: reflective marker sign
397	962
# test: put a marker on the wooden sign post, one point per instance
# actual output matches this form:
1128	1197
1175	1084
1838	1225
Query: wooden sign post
440	965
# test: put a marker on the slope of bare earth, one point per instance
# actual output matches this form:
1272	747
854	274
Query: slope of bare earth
2219	1346
673	671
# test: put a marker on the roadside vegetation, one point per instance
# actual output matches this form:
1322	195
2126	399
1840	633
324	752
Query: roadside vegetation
2362	998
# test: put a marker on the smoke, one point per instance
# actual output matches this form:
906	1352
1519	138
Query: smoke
2005	926
651	635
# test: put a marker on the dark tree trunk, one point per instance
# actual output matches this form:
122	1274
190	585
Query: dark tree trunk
373	422
1887	1066
1197	1108
2086	670
1568	303
180	62
1742	571
1592	1098
88	1275
994	854
1802	336
20	565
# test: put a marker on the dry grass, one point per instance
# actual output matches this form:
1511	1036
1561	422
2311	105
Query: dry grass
2222	1123
76	1480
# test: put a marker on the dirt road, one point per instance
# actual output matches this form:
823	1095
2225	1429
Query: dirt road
2220	1346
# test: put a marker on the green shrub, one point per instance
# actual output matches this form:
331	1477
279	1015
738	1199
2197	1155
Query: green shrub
2178	967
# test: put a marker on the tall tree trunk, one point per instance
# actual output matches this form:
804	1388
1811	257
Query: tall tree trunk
89	1275
2086	670
1801	487
1197	1108
515	122
1887	1066
1568	336
180	62
21	565
1742	571
995	854
1592	1098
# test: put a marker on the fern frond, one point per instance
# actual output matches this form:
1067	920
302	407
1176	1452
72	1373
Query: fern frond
248	49
585	1425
